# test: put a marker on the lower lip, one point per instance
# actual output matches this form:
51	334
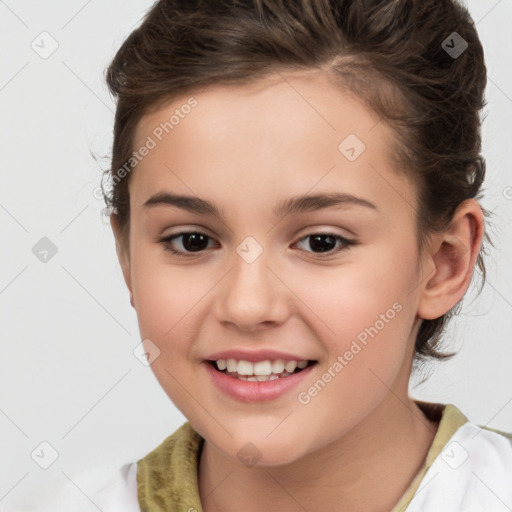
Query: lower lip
255	391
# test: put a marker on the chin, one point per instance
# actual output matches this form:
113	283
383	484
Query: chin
264	452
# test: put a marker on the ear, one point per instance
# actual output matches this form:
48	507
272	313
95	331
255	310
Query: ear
122	254
451	261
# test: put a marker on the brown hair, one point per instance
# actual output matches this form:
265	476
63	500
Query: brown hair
392	54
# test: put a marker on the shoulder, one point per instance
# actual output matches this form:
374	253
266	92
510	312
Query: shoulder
487	448
119	488
468	467
98	488
472	473
486	440
478	453
506	435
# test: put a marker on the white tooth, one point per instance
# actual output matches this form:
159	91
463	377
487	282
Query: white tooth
263	378
242	377
285	374
273	377
277	366
263	368
245	368
253	378
290	366
302	364
232	365
221	364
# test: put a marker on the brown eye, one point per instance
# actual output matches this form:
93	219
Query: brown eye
326	243
192	242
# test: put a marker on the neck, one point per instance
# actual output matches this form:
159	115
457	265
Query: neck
381	455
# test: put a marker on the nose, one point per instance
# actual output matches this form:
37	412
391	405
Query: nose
252	295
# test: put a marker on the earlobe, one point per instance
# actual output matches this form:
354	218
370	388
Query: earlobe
453	257
122	255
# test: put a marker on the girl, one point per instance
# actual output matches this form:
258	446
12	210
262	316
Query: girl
295	205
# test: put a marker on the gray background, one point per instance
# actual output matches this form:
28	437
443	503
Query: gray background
68	373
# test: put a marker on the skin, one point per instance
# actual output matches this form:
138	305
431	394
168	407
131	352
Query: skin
247	148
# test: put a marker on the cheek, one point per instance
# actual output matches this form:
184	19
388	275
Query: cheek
165	298
164	294
366	343
363	313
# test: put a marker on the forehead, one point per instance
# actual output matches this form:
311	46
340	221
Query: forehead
285	134
276	102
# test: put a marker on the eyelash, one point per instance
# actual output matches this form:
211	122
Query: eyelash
346	243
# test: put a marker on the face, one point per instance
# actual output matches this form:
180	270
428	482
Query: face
331	283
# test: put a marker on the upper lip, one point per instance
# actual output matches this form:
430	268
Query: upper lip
255	355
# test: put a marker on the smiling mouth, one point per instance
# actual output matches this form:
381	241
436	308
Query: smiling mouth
261	371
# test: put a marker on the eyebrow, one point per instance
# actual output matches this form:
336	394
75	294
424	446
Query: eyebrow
296	204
